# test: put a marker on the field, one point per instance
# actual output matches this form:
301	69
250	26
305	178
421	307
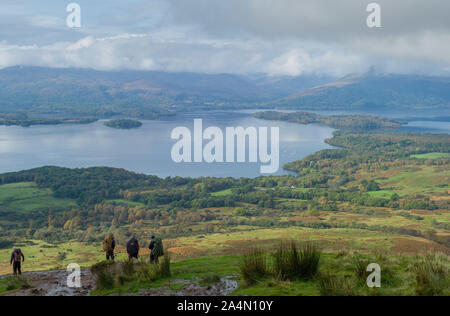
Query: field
430	156
26	196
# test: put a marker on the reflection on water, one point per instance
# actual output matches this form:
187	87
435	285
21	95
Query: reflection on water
146	150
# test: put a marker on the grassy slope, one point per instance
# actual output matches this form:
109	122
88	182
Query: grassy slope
26	196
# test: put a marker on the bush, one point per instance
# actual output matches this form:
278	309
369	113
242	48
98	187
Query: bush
253	266
296	261
431	276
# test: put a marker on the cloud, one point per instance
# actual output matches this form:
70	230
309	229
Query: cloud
276	37
143	52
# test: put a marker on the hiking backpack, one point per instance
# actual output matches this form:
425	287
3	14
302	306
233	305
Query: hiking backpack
108	244
158	250
133	246
17	256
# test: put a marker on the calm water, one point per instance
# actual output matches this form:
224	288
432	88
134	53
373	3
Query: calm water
145	150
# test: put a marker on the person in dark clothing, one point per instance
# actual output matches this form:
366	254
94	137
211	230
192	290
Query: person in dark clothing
156	248
153	259
17	258
133	248
109	245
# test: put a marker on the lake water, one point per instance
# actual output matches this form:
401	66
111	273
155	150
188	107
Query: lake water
148	149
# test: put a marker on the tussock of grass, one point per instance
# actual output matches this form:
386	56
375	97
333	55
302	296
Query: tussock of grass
432	278
296	261
254	266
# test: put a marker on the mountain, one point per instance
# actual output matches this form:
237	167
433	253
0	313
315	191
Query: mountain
87	91
368	91
65	92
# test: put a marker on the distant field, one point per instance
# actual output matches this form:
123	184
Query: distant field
222	193
126	203
421	180
430	156
27	196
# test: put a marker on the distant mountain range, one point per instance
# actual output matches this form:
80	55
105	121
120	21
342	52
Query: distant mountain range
368	91
149	94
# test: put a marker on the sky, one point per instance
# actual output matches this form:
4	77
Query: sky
272	37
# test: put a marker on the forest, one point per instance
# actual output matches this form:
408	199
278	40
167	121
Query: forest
123	124
364	176
352	123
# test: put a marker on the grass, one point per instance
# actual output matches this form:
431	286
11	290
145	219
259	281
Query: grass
254	266
296	261
431	273
222	193
10	284
430	156
337	276
27	196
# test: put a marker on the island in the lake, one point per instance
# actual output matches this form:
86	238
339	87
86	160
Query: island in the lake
350	123
123	124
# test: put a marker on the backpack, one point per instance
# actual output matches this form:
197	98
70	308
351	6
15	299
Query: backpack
108	244
17	256
132	246
158	250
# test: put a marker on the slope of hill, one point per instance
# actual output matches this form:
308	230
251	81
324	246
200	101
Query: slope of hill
135	93
370	91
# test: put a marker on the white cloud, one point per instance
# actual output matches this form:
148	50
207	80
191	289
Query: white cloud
277	37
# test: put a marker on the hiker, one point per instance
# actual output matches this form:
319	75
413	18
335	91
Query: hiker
156	248
109	244
17	257
133	248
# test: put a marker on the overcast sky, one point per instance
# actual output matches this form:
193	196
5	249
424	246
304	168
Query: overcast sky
275	37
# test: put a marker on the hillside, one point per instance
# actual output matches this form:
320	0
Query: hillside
62	93
373	91
143	94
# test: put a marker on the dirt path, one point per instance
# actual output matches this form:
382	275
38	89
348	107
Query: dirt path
54	283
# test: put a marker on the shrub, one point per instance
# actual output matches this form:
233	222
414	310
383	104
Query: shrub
431	275
296	261
253	266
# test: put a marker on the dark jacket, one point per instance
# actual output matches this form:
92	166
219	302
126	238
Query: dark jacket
13	256
152	245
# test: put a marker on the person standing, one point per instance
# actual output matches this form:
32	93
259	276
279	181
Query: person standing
109	244
17	258
156	248
133	248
